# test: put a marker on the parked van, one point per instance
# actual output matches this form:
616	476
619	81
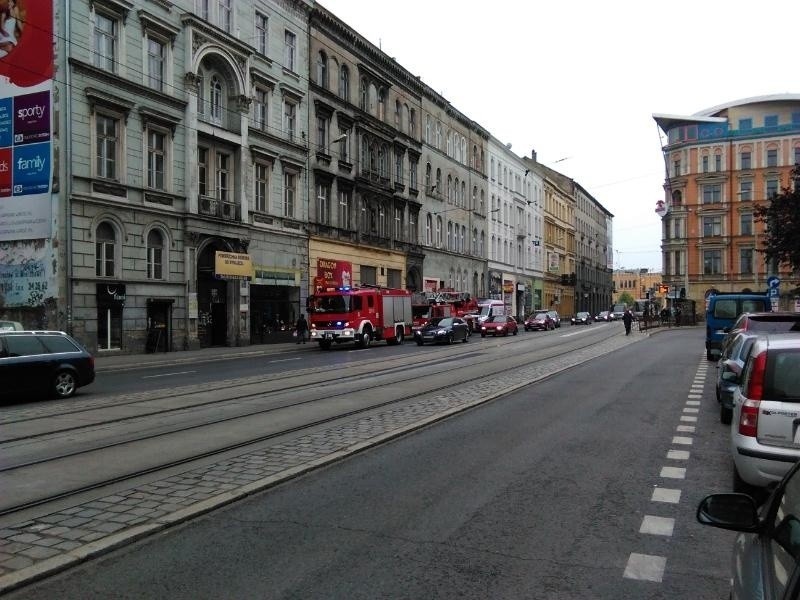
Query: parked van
723	309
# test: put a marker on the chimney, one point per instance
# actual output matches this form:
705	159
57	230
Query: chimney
533	155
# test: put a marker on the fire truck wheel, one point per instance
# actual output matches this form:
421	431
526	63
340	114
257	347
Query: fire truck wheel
365	338
397	339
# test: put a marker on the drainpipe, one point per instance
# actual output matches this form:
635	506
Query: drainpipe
67	155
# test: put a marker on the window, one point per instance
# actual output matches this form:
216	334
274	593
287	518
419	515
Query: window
705	164
712	226
322	134
260	109
289	49
772	157
427	129
439	232
322	70
262	187
156	53
224	15
344	209
202	171
105	42
398	167
107	146
450	243
382	104
362	93
105	240
771	121
412	174
412	123
383	159
413	235
676	167
289	191
156	154
746	224
369	276
343	148
397	114
429	230
344	83
712	193
745	191
797	155
201	8
745	161
223	176
712	262
324	203
745	124
262	33
398	223
215	100
718	162
289	112
745	260
155	252
772	188
394	278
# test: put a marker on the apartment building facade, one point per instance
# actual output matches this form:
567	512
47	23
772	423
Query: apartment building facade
516	228
720	163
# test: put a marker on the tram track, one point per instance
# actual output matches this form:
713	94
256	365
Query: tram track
504	364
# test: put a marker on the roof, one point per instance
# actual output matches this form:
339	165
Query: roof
668	121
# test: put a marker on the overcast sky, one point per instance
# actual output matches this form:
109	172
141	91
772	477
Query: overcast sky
579	80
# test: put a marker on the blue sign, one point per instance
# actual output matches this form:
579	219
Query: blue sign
6	122
31	169
773	282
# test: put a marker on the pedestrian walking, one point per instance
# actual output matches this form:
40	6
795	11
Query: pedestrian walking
627	319
677	316
300	328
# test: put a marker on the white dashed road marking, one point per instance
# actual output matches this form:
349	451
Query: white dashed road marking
645	567
666	495
657	525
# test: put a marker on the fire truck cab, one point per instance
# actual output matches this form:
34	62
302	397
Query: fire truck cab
360	315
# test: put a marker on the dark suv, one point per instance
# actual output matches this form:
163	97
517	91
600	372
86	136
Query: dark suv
48	362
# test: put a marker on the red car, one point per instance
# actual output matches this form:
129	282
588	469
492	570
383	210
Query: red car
499	325
539	322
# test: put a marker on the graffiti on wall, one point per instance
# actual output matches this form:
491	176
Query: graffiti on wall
27	274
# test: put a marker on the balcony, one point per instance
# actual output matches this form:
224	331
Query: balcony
212	207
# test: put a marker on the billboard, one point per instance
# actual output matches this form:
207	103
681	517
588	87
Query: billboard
334	273
26	124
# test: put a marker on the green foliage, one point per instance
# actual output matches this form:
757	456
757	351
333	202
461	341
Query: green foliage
782	217
625	298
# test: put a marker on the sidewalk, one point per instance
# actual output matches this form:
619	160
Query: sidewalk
113	361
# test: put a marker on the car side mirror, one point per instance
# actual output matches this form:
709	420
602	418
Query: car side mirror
737	512
732	366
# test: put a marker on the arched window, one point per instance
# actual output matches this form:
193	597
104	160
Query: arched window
383	161
449	191
463	194
105	240
464	150
450	244
364	153
475	242
439	232
492	171
382	104
322	70
412	122
449	144
428	230
461	241
344	83
427	129
155	255
428	177
363	94
216	99
474	157
397	114
439	181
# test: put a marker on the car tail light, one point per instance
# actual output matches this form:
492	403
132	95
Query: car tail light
755	385
748	418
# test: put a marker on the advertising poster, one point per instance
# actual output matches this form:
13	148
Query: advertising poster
26	128
334	273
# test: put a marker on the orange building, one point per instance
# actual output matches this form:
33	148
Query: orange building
720	163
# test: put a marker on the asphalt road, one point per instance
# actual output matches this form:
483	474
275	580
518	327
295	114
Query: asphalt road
545	493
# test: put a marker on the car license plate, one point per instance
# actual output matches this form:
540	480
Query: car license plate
328	336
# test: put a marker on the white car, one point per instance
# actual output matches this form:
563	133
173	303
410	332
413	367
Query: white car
765	432
11	326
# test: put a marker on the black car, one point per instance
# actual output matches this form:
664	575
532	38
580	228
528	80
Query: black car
442	330
582	318
49	362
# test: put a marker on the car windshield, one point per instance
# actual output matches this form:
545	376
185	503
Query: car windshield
496	319
442	322
335	304
581	315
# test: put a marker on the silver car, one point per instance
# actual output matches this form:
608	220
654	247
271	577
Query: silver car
765	432
767	549
728	373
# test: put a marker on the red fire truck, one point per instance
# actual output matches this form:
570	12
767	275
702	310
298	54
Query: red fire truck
359	314
444	303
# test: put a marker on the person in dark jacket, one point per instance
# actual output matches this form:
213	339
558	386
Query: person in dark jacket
627	319
301	327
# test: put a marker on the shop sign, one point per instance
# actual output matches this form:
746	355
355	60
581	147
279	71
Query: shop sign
232	265
553	262
334	273
508	286
110	293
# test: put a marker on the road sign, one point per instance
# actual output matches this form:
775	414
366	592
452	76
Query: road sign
773	282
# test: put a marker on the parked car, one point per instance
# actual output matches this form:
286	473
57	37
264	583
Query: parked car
728	373
765	438
722	309
49	362
582	318
540	321
11	326
766	553
762	322
442	330
499	325
603	315
555	316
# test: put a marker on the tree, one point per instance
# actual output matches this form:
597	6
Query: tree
625	298
782	217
